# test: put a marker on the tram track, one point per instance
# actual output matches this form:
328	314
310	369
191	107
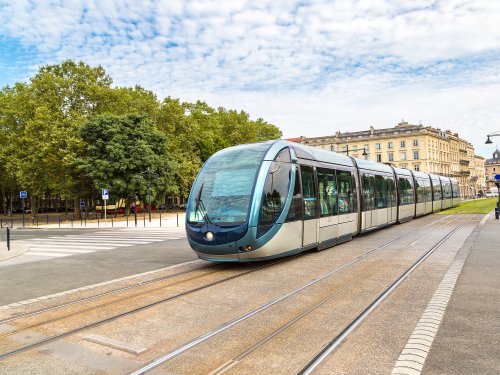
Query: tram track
52	338
114	317
230	324
330	347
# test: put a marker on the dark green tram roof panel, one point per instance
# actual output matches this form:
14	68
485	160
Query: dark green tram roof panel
372	166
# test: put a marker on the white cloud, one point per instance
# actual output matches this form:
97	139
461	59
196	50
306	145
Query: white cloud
310	67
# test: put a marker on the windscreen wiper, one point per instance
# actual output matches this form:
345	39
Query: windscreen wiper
199	203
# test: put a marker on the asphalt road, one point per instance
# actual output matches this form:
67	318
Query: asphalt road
23	281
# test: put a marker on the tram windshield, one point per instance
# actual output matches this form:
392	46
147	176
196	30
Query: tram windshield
222	192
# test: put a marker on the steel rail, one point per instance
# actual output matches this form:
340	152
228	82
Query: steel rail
104	294
132	311
312	365
165	358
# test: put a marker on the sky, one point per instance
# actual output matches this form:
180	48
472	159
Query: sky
310	67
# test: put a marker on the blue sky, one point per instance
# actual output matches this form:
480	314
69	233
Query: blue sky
310	67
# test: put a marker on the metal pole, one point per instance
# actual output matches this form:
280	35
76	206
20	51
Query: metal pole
1	223
177	219
127	221
59	221
8	239
23	212
160	220
149	195
144	220
112	224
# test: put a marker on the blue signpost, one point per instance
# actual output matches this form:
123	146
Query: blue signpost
105	197
23	195
497	183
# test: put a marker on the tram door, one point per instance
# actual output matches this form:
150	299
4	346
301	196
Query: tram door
310	223
369	217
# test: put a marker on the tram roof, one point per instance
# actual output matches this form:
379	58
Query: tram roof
421	174
312	153
372	166
402	172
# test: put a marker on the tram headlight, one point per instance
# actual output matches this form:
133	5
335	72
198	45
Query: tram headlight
209	236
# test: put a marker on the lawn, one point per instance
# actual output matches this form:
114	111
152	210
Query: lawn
477	206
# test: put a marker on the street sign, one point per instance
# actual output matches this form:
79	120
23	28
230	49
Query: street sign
497	177
105	194
82	204
23	194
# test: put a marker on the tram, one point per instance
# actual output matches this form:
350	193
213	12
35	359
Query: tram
272	199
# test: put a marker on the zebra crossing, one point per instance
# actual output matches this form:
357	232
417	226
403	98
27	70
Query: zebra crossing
84	243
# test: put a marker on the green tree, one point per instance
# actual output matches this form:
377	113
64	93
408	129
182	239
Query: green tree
119	152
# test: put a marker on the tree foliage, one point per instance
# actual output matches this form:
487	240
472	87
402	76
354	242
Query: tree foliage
51	144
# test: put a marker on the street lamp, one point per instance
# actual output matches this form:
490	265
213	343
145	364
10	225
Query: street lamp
347	151
494	134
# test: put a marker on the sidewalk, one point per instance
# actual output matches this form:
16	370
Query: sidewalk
167	220
468	340
16	248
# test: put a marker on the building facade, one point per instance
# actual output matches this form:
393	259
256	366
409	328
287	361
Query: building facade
492	167
416	147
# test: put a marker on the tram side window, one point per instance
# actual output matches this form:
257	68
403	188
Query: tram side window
295	212
391	192
437	190
420	187
405	191
368	192
456	192
327	188
274	194
428	190
447	190
380	192
309	192
344	183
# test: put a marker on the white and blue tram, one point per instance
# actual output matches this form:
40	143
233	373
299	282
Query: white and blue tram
266	200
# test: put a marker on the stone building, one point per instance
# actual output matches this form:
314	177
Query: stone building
492	167
417	147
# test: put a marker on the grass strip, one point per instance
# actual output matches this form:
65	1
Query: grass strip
477	206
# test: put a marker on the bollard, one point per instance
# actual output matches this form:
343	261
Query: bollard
497	213
8	239
144	220
59	221
112	223
135	218
177	219
160	220
97	222
127	221
1	223
47	219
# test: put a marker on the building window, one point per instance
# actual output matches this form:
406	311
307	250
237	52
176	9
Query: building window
367	147
377	146
344	148
402	143
379	158
355	148
415	142
366	157
403	166
416	167
332	148
391	156
415	155
389	145
403	156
